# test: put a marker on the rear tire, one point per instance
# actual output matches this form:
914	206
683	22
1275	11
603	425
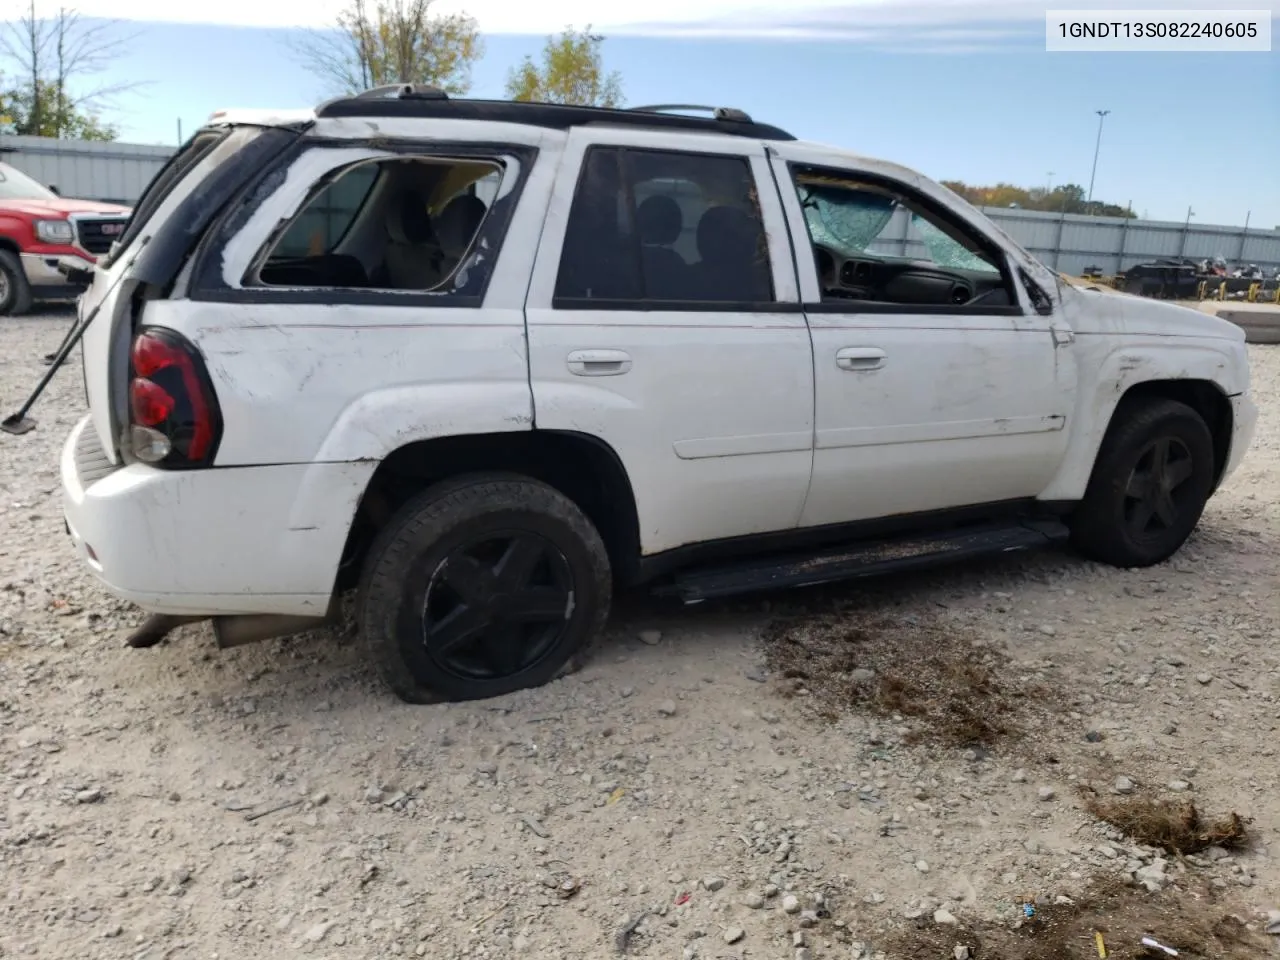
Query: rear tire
15	292
482	586
1152	478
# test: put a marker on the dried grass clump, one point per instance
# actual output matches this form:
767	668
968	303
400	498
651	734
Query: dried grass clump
1175	826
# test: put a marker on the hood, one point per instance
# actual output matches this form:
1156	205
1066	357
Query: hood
1093	308
60	207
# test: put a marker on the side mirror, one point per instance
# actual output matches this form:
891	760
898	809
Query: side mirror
54	188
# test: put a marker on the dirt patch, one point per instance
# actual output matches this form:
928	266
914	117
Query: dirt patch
1176	827
1192	923
962	692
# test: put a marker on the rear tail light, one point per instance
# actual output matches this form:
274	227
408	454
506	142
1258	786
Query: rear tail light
174	416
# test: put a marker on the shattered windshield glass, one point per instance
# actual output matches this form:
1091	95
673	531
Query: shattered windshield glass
848	220
852	221
946	252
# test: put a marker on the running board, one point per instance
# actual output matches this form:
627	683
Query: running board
860	559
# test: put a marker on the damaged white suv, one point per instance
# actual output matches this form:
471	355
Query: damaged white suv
489	361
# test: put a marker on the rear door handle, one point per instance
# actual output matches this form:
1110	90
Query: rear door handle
599	363
860	358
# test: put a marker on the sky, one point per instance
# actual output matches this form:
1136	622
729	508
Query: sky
958	89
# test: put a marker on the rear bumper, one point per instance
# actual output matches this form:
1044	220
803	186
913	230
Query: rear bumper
1244	424
44	278
210	542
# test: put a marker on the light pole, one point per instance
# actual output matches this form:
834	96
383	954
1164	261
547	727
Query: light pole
1102	116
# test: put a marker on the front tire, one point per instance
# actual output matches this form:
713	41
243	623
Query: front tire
1153	476
482	586
15	292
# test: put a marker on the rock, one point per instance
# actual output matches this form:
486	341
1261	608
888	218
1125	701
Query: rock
1204	679
319	799
961	952
862	677
734	934
1273	922
791	904
667	708
808	919
1048	630
650	637
713	883
922	866
804	953
945	917
92	795
1179	786
1019	776
753	901
1123	785
318	932
1046	793
1093	736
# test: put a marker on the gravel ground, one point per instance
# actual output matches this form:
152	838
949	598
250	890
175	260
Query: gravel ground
670	800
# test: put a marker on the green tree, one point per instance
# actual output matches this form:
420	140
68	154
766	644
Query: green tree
1067	198
383	42
51	58
571	72
49	112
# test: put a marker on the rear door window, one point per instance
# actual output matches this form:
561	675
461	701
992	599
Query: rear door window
666	227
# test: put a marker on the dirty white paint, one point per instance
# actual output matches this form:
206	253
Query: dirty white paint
727	423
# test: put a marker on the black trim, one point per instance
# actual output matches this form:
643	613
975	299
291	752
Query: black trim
785	541
553	115
675	306
867	559
928	204
159	262
935	309
208	285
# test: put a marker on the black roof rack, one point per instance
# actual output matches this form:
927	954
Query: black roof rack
418	101
731	114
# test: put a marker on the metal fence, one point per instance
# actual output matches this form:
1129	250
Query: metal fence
108	172
1074	242
118	172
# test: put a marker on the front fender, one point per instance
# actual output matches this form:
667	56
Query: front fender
1108	370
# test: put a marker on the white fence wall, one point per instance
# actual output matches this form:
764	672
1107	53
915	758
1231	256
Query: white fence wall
119	172
110	172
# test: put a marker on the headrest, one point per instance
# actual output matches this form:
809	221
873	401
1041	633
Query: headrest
659	220
458	222
409	220
727	234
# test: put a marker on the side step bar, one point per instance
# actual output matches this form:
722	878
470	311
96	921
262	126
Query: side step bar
860	559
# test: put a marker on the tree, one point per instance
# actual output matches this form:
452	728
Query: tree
52	59
572	72
379	42
1067	198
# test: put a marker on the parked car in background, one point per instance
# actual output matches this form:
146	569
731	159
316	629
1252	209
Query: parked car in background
37	229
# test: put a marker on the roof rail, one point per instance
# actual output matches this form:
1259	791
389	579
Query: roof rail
409	101
732	114
402	91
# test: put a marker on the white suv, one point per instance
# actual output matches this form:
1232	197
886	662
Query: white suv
489	360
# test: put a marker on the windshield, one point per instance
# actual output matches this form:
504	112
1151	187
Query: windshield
856	221
16	185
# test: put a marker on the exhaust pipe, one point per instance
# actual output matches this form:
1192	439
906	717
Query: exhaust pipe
240	629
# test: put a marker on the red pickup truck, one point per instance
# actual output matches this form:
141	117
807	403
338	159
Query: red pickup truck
37	229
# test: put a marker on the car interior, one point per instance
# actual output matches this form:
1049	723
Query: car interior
402	224
873	243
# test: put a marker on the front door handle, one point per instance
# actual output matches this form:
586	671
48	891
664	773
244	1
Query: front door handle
860	358
599	363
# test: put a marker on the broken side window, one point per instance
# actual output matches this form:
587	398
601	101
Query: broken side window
403	223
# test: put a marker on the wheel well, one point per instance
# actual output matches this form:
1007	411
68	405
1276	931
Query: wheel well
7	244
583	468
1205	398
